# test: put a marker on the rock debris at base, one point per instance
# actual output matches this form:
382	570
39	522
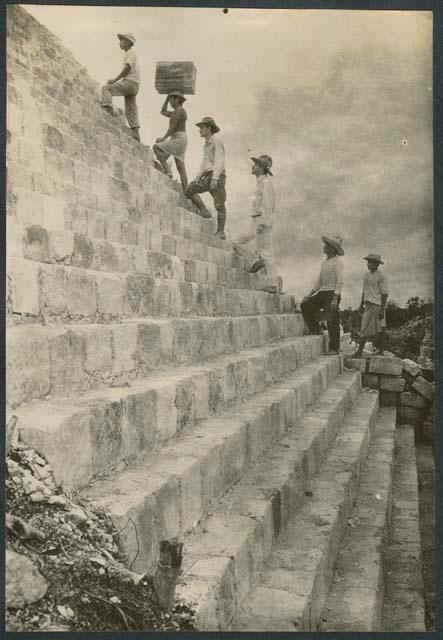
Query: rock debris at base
64	571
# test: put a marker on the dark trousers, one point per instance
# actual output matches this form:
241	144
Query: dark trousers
311	306
203	185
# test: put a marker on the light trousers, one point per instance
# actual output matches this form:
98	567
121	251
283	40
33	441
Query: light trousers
129	90
263	239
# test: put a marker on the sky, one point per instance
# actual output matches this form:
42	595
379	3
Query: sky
341	100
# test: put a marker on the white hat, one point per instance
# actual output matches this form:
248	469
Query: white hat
335	242
127	36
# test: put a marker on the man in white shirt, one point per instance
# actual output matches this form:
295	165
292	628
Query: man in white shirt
126	84
212	176
262	217
373	305
326	294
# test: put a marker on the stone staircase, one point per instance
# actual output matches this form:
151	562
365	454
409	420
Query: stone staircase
157	379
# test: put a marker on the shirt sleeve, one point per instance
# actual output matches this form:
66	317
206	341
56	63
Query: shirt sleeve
383	284
219	158
266	205
129	58
339	274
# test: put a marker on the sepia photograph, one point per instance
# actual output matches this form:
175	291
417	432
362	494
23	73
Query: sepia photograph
219	319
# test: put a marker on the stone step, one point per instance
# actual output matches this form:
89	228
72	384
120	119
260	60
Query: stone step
355	598
293	587
72	292
101	429
72	357
166	493
404	602
155	225
112	257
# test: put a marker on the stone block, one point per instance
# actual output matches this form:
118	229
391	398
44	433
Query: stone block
82	175
61	244
392	383
140	294
139	428
385	366
124	348
28	206
424	388
388	398
110	295
411	368
96	224
27	364
414	400
410	415
24	276
14	238
370	380
167	413
98	349
81	293
53	218
53	289
31	152
67	353
356	363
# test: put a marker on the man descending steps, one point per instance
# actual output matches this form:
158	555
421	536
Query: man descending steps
126	84
212	175
326	294
261	223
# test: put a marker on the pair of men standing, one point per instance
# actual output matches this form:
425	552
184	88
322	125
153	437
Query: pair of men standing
326	295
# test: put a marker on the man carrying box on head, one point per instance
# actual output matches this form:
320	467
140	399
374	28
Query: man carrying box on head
373	305
125	84
262	216
212	176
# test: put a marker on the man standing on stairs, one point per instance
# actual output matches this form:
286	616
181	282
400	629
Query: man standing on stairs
126	84
326	294
212	176
262	216
373	305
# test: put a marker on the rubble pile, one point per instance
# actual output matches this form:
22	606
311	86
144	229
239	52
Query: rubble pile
64	571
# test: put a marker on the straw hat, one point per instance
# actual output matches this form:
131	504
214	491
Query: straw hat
127	36
336	243
209	122
265	163
375	257
178	94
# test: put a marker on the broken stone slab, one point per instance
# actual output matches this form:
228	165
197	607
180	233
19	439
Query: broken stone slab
388	398
385	366
391	383
370	380
411	368
414	400
424	388
24	584
409	415
167	572
356	363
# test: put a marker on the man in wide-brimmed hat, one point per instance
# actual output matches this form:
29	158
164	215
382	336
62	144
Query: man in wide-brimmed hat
326	294
262	217
373	304
126	84
174	142
212	176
